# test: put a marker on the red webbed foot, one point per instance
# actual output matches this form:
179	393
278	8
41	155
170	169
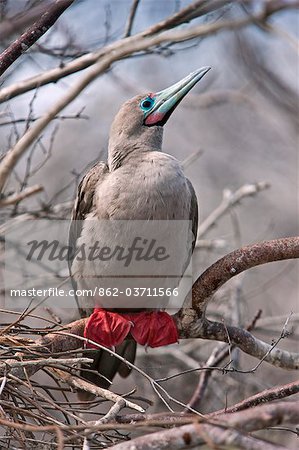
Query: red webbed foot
149	328
153	328
106	328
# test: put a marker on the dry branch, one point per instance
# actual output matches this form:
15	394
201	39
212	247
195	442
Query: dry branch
16	24
218	355
16	368
131	18
83	385
196	9
17	197
109	417
268	395
230	199
32	34
222	433
236	262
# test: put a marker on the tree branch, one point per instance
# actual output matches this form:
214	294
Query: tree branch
236	262
21	21
246	342
230	199
17	197
268	395
83	385
222	433
32	34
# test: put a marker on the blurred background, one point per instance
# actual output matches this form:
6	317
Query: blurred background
240	124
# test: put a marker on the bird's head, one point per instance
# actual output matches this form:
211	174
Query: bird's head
139	122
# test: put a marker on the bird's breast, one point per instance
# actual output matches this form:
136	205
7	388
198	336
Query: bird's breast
148	187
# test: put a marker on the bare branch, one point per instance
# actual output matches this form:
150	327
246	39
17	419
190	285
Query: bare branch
268	395
32	34
110	416
195	9
21	21
96	390
222	433
236	262
217	356
17	197
230	199
17	367
245	341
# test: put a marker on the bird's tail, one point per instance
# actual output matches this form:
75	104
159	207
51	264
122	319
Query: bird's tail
105	366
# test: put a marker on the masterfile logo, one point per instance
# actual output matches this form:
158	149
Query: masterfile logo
127	264
140	250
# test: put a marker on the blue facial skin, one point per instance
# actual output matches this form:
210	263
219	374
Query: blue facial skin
147	103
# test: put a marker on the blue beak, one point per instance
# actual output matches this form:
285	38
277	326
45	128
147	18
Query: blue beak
167	100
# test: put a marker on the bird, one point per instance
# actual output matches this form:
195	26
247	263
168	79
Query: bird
138	182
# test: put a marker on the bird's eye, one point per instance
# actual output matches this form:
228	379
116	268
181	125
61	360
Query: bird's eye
147	103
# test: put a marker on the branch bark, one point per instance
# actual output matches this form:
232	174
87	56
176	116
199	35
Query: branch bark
236	262
268	395
226	432
17	197
32	34
83	385
18	23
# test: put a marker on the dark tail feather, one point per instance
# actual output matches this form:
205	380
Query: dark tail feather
129	354
105	366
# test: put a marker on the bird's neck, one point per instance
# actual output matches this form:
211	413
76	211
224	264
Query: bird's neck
117	156
118	152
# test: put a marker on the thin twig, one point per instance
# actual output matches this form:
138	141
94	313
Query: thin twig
268	395
110	416
17	197
83	385
131	18
229	200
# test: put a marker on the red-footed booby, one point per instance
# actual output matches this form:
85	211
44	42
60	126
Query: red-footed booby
138	182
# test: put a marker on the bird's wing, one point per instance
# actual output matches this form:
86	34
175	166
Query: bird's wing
193	216
83	205
193	213
104	363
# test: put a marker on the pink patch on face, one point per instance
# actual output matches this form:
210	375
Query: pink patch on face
154	118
